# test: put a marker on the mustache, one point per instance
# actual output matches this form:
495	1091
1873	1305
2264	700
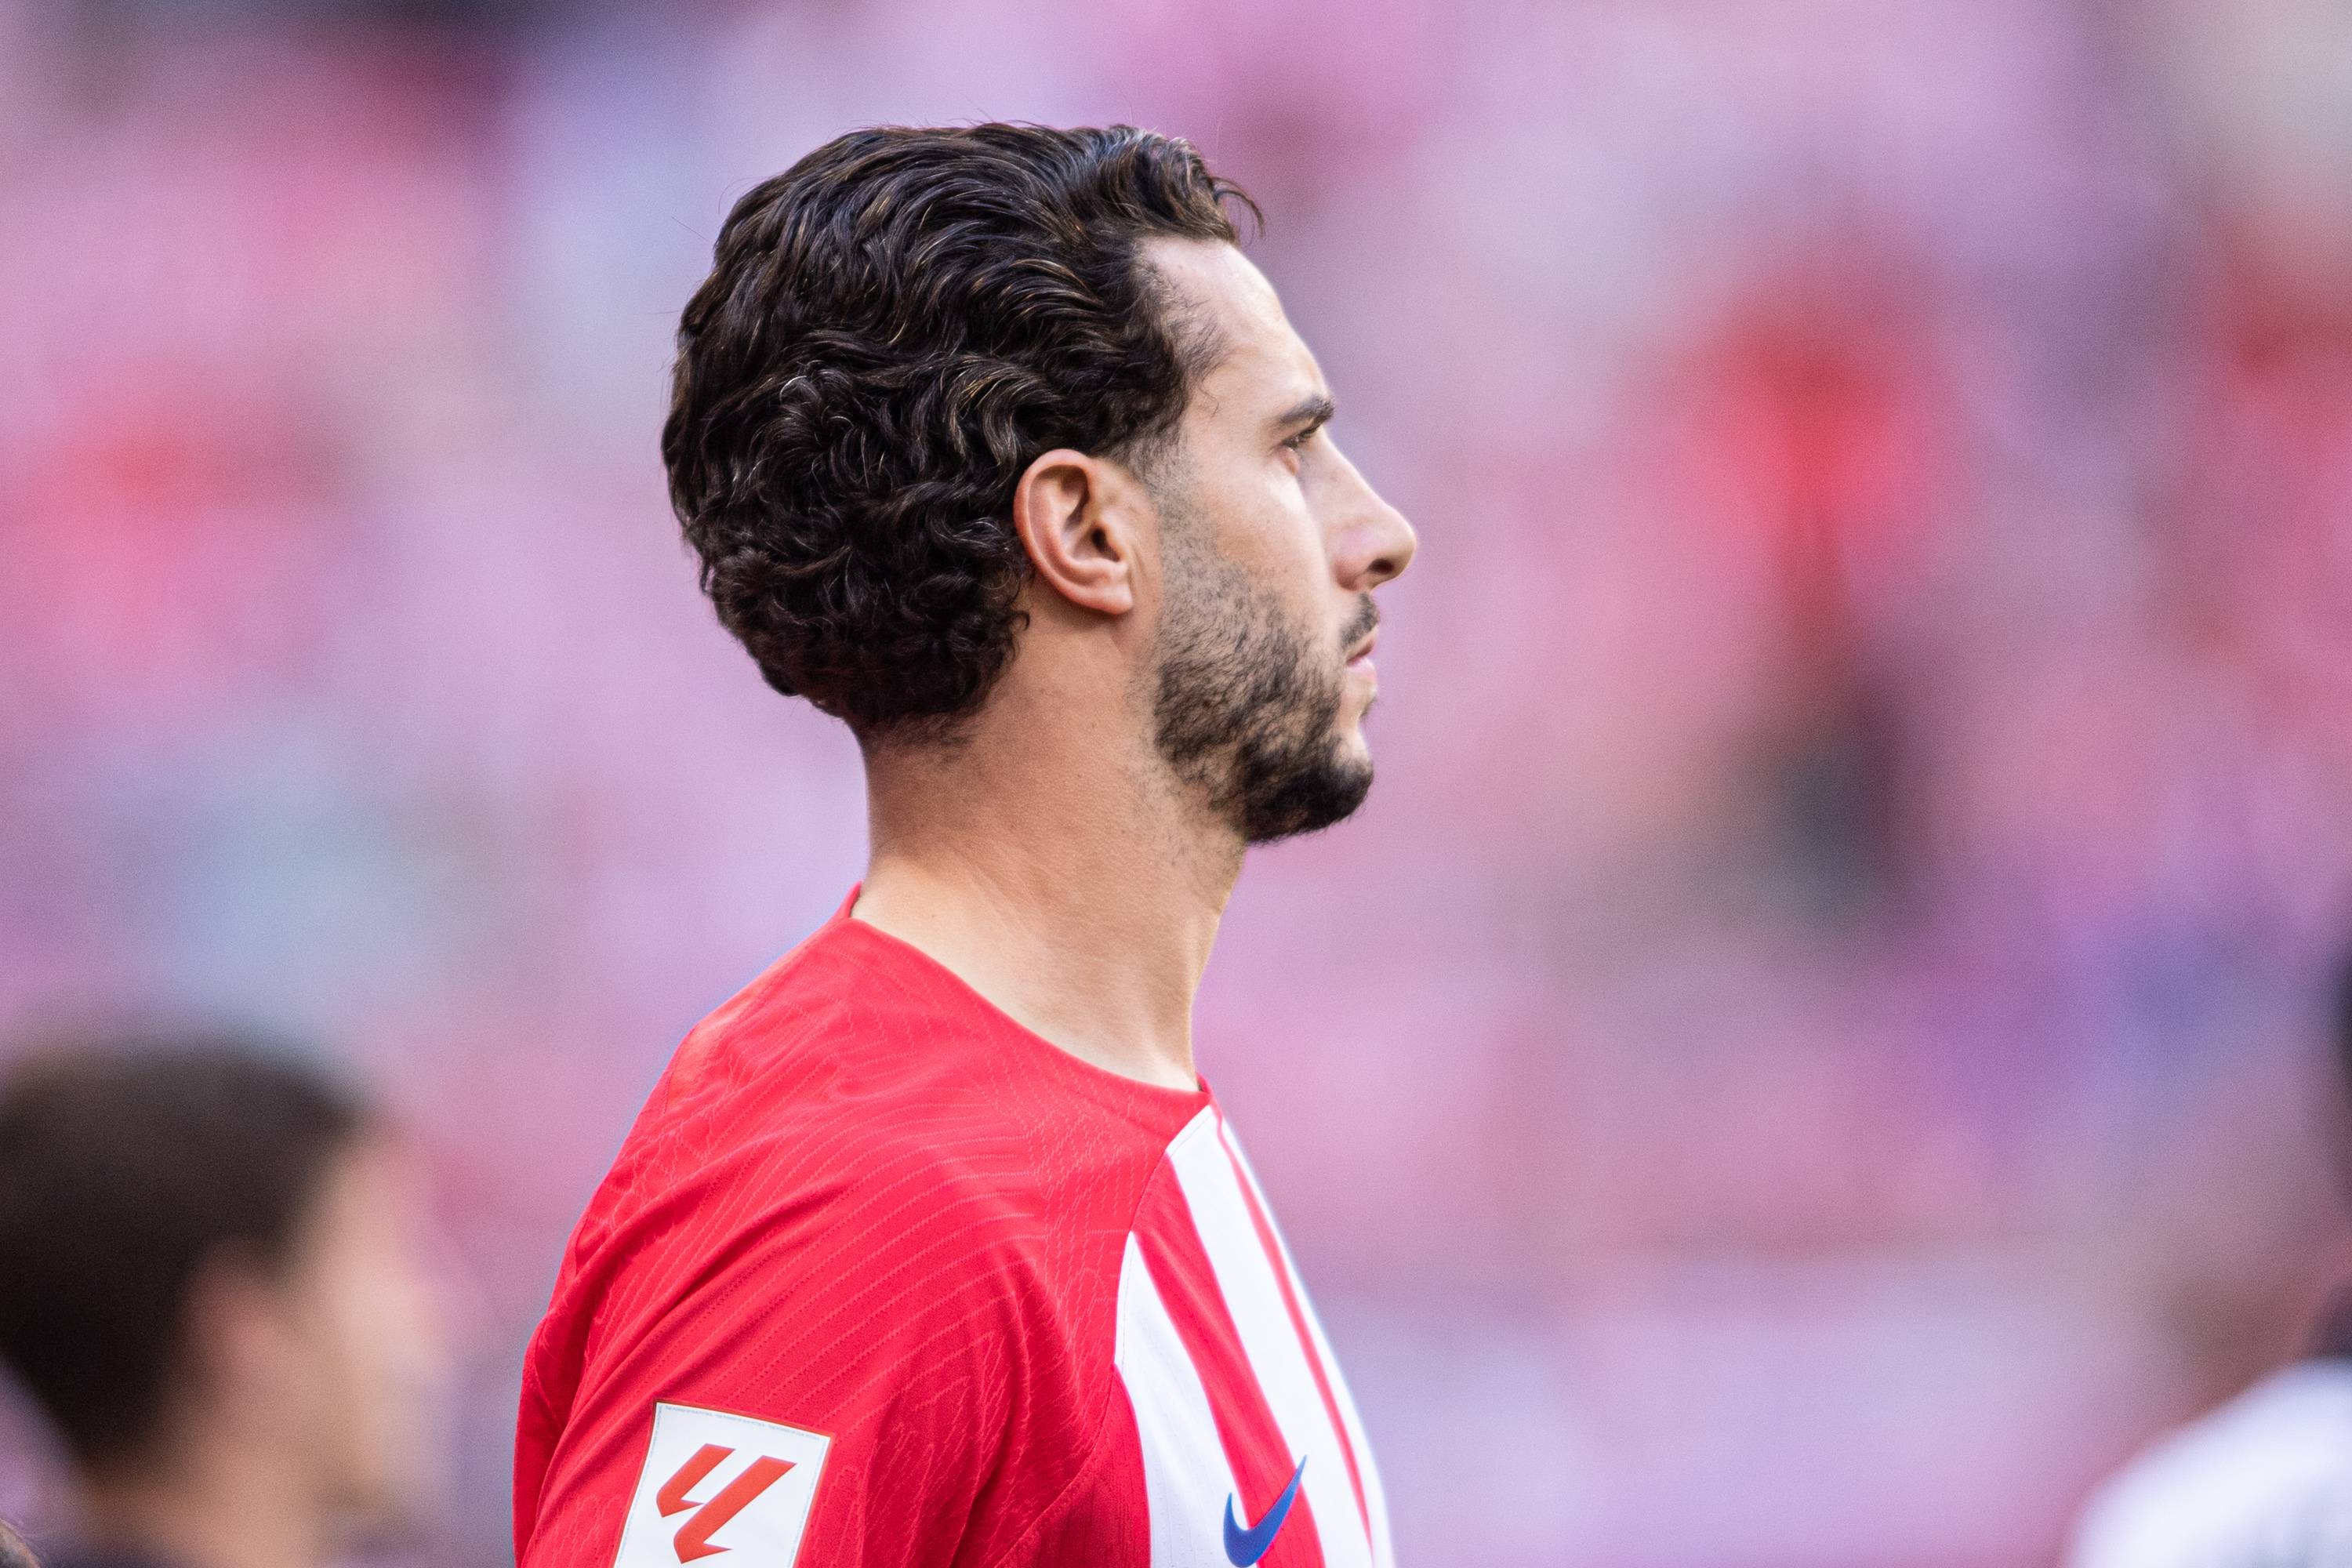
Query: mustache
1361	625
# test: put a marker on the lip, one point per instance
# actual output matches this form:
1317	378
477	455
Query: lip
1362	657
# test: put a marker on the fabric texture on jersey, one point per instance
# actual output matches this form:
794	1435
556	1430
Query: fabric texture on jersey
997	1306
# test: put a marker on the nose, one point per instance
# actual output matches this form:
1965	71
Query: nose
1374	544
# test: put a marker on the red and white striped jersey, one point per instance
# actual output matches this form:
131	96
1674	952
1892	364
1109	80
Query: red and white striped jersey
881	1278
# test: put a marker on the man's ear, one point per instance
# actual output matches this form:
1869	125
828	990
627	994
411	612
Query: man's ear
1078	519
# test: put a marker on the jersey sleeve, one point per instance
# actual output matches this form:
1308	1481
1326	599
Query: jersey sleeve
864	1378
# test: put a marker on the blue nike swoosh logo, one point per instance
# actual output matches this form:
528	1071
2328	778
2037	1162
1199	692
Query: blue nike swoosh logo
1244	1547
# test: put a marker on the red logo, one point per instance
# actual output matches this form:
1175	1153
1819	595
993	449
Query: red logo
694	1536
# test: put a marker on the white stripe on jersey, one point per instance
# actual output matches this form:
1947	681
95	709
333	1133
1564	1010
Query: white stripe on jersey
1186	1480
1375	1501
1254	1295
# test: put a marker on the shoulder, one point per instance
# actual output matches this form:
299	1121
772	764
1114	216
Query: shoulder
858	1206
858	1135
859	1082
844	1064
2269	1471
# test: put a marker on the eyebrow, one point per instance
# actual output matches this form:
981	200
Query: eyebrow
1306	414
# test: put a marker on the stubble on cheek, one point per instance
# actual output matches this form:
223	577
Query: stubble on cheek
1246	708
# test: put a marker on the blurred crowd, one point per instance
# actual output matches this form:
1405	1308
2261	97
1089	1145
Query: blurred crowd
1812	1054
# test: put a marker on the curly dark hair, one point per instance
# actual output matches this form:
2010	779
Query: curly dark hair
892	331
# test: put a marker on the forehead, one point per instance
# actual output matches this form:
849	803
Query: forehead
1259	353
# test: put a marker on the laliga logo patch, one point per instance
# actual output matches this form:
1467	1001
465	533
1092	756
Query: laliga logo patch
717	1483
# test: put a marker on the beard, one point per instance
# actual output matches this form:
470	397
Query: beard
1246	708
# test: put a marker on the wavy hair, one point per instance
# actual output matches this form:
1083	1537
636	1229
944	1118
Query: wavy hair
892	331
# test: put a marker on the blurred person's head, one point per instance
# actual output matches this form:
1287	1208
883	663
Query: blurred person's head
210	1283
2339	1030
2335	1072
2336	1128
996	431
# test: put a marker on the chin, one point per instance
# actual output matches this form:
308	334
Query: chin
1351	750
1311	799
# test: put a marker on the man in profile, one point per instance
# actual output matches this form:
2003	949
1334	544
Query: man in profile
210	1285
930	1246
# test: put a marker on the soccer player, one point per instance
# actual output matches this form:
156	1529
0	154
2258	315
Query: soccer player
210	1283
930	1246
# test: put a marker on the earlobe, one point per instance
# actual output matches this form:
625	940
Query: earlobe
1072	512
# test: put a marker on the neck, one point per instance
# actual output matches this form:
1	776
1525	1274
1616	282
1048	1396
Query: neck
1076	888
217	1509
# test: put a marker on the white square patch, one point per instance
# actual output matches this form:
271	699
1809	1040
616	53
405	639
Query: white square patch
719	1483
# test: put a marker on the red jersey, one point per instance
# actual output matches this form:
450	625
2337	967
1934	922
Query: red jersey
881	1279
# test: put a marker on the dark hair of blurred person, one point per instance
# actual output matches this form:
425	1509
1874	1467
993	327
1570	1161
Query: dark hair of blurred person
209	1285
2267	1478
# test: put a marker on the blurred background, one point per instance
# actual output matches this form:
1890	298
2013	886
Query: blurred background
1810	1055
